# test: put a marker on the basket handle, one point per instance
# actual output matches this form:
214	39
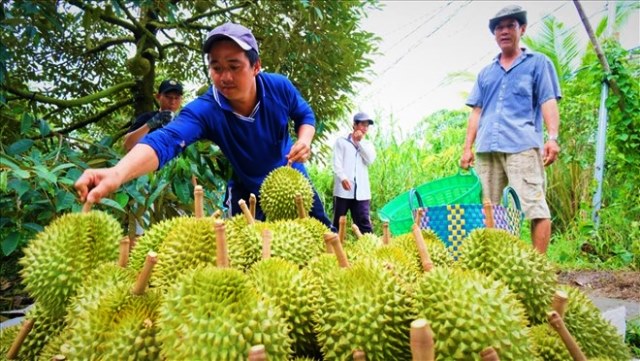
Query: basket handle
470	170
507	193
414	197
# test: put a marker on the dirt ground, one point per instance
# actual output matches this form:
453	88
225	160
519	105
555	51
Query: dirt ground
623	285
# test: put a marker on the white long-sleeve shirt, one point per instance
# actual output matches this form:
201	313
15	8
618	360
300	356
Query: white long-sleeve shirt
352	162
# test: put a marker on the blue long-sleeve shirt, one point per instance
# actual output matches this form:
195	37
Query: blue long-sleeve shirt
254	145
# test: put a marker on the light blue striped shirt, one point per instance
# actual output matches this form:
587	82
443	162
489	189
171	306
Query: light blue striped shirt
511	119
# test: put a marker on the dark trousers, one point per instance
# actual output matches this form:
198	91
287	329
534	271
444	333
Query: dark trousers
238	192
359	212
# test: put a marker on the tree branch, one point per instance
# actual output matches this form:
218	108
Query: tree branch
103	15
96	117
216	12
142	28
30	95
104	45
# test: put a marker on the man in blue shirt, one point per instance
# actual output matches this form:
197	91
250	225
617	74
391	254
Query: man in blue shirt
511	99
246	113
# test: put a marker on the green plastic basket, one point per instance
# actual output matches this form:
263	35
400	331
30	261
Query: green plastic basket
462	188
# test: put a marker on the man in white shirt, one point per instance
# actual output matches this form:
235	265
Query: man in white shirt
352	156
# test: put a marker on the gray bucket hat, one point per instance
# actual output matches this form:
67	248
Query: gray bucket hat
510	11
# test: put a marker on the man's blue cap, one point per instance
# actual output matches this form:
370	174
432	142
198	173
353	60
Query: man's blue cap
362	117
236	32
509	11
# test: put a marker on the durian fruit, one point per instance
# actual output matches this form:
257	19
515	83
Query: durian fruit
217	314
190	243
138	65
364	307
56	261
507	258
278	193
7	336
150	241
292	241
469	312
436	249
286	285
547	344
595	335
244	241
119	319
363	245
316	228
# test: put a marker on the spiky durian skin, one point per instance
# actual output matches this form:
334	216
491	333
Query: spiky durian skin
364	307
190	243
119	325
217	314
56	260
438	253
468	312
278	193
292	241
244	242
150	241
595	335
507	258
547	343
315	227
285	284
7	336
362	246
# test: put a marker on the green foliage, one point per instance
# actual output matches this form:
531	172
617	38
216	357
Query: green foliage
632	336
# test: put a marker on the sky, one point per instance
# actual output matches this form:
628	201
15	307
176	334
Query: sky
425	41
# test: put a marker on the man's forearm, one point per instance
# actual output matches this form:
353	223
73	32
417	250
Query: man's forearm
472	127
142	159
306	133
551	116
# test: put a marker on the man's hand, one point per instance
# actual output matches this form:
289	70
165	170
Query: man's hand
467	159
551	151
95	184
357	135
300	152
346	185
160	120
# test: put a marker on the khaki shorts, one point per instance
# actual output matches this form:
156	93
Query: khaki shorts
523	171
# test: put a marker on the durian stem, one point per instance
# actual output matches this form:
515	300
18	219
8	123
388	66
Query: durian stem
194	180
488	213
86	207
27	325
246	212
300	206
252	205
559	303
342	228
386	236
558	324
124	252
419	215
198	196
143	277
489	354
222	256
267	236
356	230
359	355
257	353
58	358
425	259
332	239
421	340
216	214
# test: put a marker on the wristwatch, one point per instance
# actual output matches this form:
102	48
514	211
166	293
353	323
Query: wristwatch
554	138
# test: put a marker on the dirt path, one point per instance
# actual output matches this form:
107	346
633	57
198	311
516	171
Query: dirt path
623	285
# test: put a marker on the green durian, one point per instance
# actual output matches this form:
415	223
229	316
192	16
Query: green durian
596	336
292	241
364	307
518	265
244	242
217	314
437	251
286	285
278	193
468	312
138	65
150	241
316	228
7	336
56	261
547	344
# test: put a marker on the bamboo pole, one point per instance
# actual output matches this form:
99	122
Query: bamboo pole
222	255
26	327
557	324
198	196
421	341
332	239
124	252
143	277
559	303
425	259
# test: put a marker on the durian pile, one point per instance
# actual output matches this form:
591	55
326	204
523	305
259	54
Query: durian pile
212	288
